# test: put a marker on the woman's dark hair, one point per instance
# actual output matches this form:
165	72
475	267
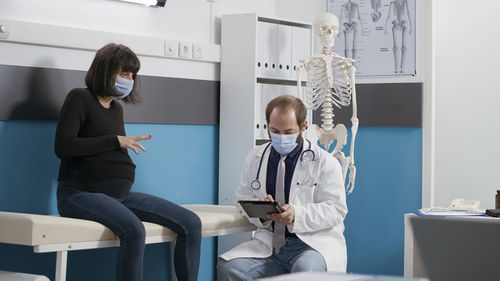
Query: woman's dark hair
108	61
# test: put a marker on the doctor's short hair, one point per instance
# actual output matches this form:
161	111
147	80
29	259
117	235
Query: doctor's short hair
108	61
285	103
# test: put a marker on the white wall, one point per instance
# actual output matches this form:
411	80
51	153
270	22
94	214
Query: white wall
189	20
300	10
181	19
467	101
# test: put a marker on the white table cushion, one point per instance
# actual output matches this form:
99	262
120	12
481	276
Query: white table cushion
16	276
34	230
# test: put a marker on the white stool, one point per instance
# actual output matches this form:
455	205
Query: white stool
16	276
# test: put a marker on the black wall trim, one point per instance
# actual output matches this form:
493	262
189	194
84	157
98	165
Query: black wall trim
394	104
34	93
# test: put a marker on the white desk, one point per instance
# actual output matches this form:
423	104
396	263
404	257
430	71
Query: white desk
452	248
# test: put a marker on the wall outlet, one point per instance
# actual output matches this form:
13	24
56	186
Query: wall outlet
197	51
4	30
185	49
171	48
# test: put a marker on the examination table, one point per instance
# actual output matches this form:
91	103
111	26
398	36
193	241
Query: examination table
46	233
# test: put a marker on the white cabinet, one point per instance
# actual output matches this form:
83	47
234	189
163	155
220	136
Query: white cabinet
266	49
252	50
284	51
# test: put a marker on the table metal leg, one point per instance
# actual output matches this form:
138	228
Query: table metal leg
172	251
61	265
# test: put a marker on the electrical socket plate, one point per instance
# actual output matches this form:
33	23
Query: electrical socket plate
171	48
197	51
185	49
4	30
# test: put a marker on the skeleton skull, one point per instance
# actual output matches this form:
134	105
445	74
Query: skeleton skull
327	27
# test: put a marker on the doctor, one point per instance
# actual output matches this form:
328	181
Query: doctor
308	184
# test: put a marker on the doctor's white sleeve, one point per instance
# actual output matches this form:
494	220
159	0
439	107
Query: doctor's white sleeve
329	207
244	191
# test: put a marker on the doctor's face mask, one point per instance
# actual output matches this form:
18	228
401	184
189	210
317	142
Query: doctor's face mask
284	144
284	131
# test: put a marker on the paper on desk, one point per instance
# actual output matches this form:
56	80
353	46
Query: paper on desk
451	213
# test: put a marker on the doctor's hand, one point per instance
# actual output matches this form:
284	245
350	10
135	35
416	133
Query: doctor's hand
268	198
286	217
133	142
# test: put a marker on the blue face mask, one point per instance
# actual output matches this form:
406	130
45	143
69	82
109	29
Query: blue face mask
123	86
284	144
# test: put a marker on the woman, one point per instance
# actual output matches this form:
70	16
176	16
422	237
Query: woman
96	172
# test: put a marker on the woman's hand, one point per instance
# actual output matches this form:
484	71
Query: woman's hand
133	142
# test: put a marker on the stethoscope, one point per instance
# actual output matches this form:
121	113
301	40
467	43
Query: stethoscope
307	154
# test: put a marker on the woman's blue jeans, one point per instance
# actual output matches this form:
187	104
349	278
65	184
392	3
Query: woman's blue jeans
124	216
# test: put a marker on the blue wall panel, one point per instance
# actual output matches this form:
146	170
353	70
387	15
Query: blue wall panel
180	165
388	185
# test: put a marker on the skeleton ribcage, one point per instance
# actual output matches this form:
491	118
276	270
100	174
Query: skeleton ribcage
337	89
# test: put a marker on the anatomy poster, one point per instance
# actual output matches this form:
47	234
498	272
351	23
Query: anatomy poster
378	34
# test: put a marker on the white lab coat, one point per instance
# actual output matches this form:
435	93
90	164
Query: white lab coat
319	209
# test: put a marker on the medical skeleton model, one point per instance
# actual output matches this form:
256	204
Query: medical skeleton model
330	82
401	27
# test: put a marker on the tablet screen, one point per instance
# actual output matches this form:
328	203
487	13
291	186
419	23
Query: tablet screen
259	209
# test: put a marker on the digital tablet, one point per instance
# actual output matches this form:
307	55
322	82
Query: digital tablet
259	209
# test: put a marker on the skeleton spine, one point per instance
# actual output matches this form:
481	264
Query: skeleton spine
327	114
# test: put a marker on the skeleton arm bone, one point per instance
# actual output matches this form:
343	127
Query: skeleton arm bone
299	79
354	130
302	66
352	179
